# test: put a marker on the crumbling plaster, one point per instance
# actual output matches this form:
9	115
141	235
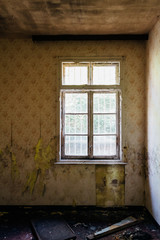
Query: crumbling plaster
28	124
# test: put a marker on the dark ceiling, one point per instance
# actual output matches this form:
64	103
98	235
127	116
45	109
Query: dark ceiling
93	17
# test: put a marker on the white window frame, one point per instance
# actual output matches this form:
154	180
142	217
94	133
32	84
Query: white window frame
91	89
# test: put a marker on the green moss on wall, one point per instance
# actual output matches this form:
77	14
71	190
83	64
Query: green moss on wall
43	159
31	180
14	166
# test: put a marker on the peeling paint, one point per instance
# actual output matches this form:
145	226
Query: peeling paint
44	158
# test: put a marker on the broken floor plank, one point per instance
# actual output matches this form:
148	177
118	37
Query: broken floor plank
127	222
52	228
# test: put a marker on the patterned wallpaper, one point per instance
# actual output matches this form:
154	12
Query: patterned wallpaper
28	116
28	80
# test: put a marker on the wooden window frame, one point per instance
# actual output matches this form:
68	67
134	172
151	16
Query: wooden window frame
90	89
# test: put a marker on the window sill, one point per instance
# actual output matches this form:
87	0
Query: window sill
90	162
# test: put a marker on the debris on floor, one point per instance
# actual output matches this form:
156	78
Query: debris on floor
80	224
127	222
56	213
2	213
52	228
15	222
136	235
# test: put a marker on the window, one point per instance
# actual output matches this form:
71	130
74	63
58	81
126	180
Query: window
90	110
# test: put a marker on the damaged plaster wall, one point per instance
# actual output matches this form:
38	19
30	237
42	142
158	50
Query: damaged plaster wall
110	185
28	123
153	124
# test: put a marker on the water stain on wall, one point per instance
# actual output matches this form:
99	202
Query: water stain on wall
44	158
110	185
8	159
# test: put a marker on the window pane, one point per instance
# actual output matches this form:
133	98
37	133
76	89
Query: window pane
105	75
76	145
76	103
104	145
104	102
75	75
76	124
104	124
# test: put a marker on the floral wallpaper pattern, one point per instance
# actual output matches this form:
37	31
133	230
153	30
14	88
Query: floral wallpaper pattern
28	112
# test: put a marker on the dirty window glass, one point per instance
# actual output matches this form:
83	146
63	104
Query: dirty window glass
74	74
90	115
106	74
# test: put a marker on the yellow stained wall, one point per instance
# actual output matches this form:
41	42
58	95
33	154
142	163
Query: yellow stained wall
110	185
28	127
153	124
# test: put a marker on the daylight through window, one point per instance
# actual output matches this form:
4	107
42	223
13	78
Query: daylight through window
90	110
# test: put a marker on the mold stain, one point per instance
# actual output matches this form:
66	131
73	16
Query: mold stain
44	158
114	182
2	159
14	167
8	158
110	185
32	178
125	151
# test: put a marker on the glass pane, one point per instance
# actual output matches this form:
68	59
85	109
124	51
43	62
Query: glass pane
75	75
76	124
105	75
76	102
104	102
76	145
104	124
104	145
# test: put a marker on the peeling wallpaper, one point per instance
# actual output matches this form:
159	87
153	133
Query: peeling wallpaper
153	124
28	125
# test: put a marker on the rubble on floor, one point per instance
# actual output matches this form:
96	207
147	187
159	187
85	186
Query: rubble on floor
15	222
127	222
138	234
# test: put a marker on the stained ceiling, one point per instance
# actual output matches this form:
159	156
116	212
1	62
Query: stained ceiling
57	17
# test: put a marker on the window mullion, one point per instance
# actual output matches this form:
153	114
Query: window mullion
117	123
90	117
63	125
91	74
89	125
